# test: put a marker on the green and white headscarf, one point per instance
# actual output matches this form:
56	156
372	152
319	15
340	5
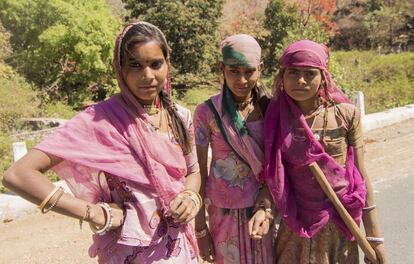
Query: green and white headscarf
239	50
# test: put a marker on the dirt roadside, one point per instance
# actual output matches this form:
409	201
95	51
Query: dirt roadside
53	238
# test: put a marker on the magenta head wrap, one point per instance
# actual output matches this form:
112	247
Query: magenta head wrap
241	51
306	53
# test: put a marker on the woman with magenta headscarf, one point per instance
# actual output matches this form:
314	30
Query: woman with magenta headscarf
311	120
231	123
130	162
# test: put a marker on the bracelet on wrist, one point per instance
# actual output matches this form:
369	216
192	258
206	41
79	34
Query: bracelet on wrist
369	208
108	220
377	240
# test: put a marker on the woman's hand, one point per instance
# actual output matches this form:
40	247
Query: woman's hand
259	224
380	252
206	246
182	209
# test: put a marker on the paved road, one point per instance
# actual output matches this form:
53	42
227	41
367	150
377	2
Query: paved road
389	162
396	216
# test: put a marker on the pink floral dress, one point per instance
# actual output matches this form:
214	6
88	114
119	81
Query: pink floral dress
231	189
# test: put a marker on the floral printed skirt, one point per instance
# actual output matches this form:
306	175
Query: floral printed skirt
232	243
174	248
328	246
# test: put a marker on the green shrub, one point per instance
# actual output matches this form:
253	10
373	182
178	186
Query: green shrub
17	100
387	81
195	96
58	110
6	156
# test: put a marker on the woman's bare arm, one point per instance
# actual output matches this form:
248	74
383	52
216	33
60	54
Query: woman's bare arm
26	178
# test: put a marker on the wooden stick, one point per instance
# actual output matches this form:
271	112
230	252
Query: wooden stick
346	217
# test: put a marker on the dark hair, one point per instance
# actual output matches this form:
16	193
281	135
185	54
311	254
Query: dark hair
261	96
146	32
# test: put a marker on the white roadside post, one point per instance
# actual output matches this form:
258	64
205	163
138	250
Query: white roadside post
19	150
358	100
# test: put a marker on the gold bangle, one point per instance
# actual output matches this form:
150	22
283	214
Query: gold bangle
48	197
44	210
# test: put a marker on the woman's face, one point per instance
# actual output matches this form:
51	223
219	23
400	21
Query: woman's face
145	71
302	84
240	80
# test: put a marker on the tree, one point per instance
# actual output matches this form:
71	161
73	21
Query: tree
385	23
321	11
64	47
191	31
243	17
5	51
287	23
279	18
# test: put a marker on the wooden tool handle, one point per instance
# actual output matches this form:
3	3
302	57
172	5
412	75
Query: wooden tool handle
346	217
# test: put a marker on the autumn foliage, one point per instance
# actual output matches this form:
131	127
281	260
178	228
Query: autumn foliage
321	10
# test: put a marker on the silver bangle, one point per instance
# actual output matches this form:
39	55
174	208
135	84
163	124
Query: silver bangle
379	240
108	220
369	208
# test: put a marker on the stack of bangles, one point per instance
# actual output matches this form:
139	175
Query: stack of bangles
195	197
57	192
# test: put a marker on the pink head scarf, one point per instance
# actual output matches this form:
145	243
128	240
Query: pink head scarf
113	137
290	147
306	53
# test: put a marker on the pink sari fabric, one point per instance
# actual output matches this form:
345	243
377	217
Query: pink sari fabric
114	137
230	183
245	146
290	147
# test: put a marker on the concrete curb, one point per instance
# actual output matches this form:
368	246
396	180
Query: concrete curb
387	118
12	206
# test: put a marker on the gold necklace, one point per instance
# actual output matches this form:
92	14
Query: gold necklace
242	105
150	109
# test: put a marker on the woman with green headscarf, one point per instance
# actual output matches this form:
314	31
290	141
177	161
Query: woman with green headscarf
231	123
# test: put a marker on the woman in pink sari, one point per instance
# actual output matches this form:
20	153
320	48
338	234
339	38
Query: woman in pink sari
231	123
130	161
311	120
